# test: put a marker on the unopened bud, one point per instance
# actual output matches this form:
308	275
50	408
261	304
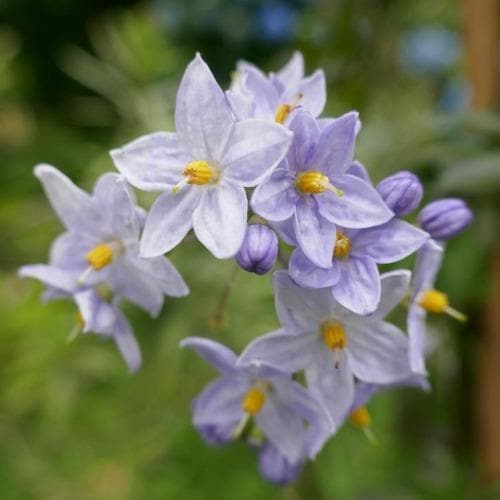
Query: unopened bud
444	219
259	249
401	192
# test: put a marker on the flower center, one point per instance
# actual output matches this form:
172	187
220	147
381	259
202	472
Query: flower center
334	336
197	172
100	256
360	417
437	302
342	247
314	182
253	401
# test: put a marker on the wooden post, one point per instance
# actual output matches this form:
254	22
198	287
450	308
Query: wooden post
481	19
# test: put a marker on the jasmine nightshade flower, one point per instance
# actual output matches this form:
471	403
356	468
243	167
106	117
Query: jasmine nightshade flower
101	243
425	298
97	312
402	192
444	219
273	97
311	186
333	345
291	419
259	250
353	276
202	169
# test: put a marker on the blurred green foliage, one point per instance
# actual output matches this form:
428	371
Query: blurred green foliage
74	425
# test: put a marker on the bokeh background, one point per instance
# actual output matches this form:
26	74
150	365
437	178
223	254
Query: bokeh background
78	77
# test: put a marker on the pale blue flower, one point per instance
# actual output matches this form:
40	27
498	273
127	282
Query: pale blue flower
333	345
279	406
202	169
101	243
312	187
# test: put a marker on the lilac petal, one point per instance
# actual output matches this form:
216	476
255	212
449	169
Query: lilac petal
378	352
358	288
71	204
284	230
127	343
220	403
313	91
220	220
330	380
306	274
305	136
117	204
335	147
428	262
212	352
50	276
315	234
289	353
417	338
360	206
300	401
254	149
169	220
389	242
128	280
282	427
203	118
153	162
242	105
275	468
293	70
394	287
358	170
164	274
300	310
265	96
98	316
68	251
275	198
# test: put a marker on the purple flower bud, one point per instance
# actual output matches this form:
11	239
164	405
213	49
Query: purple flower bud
444	219
402	192
259	249
275	468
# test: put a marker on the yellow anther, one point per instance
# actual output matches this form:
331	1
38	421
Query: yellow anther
342	247
100	256
253	401
79	319
334	336
314	182
199	172
282	113
360	417
437	302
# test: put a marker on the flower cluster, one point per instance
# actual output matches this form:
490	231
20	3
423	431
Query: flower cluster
290	390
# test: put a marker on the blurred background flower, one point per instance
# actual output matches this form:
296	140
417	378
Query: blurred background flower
79	77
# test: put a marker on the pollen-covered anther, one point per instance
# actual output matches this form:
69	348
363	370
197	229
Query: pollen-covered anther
100	256
334	336
253	401
79	319
197	172
360	417
314	182
284	110
437	302
342	247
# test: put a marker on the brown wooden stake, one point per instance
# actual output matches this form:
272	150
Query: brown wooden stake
481	20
